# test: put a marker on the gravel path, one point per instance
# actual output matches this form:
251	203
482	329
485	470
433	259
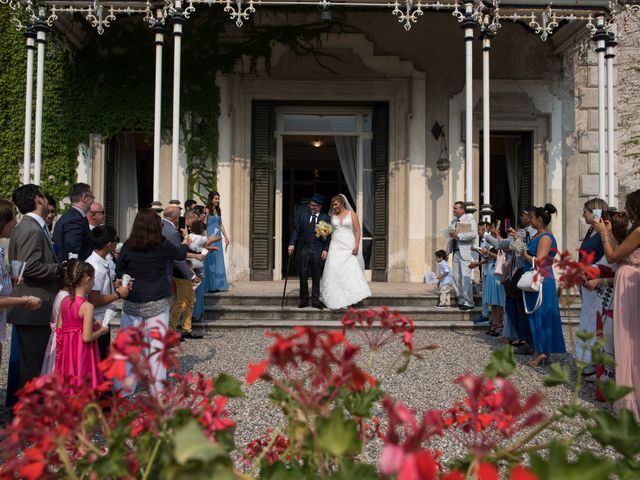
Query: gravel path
426	384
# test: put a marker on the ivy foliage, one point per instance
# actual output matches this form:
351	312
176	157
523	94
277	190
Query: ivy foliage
107	86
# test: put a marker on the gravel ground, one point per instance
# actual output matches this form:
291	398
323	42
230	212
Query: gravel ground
426	384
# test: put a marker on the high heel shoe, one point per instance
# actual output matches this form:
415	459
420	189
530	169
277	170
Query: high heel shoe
538	360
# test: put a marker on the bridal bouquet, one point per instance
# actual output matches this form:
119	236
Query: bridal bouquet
323	230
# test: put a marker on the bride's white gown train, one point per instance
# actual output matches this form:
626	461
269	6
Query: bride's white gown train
343	282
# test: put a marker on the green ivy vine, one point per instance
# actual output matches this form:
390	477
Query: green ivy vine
107	86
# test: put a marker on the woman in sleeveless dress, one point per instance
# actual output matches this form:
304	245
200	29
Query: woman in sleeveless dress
545	321
215	275
626	303
343	282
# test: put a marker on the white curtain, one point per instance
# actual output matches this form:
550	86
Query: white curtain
347	147
127	184
513	172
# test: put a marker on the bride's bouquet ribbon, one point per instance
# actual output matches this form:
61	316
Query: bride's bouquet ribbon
323	229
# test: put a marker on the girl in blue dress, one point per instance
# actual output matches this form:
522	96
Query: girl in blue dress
493	293
546	325
215	275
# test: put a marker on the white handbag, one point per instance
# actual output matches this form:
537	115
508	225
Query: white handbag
501	261
531	281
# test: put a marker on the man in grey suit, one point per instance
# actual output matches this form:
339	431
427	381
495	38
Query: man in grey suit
459	246
30	242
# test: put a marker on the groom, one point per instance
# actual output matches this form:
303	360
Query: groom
312	250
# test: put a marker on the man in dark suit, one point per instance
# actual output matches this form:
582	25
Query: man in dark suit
30	243
71	232
312	250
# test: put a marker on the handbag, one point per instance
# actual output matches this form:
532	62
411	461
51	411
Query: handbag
531	281
501	261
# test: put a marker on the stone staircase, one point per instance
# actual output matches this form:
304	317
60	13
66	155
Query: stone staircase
258	304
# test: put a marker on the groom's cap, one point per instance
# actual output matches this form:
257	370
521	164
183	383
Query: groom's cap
319	199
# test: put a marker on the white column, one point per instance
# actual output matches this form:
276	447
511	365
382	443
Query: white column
486	209
611	150
158	29
178	19
468	24
41	29
28	107
600	37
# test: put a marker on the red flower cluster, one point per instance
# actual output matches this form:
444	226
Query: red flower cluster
575	273
56	421
274	446
315	364
378	327
491	412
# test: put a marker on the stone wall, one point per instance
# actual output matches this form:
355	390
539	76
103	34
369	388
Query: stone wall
628	105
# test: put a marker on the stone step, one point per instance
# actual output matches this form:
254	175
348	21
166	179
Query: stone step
428	299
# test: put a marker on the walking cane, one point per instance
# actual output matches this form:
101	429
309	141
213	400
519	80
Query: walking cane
286	279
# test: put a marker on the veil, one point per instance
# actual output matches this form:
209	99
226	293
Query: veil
347	205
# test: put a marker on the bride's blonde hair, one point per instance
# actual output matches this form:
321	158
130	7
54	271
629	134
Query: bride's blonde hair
338	198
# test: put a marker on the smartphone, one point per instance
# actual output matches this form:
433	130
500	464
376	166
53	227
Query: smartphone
597	214
507	225
181	223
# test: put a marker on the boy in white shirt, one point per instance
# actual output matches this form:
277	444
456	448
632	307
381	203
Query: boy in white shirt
106	291
444	279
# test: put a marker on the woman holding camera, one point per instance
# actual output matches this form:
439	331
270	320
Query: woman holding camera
626	302
591	304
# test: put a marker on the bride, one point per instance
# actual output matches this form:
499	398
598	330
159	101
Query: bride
343	282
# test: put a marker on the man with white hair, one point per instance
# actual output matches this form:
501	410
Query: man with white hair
95	215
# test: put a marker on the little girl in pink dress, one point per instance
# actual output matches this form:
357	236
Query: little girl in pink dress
77	354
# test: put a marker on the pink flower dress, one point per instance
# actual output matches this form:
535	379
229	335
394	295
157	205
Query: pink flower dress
76	358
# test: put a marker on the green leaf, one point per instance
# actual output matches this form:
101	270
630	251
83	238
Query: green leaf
190	443
571	410
598	357
621	431
360	403
351	470
612	391
228	386
585	335
558	466
502	363
558	375
338	436
284	471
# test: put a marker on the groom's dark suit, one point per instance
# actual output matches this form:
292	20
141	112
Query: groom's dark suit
309	248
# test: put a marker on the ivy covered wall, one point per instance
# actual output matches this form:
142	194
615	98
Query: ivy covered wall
107	86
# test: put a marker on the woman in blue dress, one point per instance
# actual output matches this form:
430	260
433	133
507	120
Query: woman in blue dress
546	325
493	293
215	275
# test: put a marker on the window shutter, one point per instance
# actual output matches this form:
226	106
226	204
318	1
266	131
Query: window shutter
380	161
110	182
525	163
262	190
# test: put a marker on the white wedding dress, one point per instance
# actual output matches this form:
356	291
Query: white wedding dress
343	282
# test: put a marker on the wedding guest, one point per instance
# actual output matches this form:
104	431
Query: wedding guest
445	281
51	213
626	302
215	276
106	291
71	232
7	301
483	229
590	302
77	353
189	204
184	277
95	216
493	293
459	247
145	257
30	243
544	319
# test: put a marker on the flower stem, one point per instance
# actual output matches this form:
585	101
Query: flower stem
62	453
152	459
